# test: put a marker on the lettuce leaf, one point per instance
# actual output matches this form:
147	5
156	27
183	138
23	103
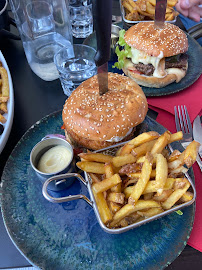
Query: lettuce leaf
124	53
179	212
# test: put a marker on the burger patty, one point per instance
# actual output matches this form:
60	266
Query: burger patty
145	69
176	61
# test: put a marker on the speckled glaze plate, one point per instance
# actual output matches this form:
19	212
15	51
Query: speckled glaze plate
193	73
67	235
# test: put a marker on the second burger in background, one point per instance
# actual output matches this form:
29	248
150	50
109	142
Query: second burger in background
96	121
151	56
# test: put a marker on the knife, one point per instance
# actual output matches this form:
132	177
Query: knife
160	11
102	20
197	133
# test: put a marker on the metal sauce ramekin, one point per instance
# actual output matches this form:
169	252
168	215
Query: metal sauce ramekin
39	149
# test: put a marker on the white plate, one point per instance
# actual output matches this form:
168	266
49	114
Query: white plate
10	106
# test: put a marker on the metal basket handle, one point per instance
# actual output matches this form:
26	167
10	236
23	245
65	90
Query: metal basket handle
67	198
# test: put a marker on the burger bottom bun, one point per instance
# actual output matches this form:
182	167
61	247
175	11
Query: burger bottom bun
78	141
153	82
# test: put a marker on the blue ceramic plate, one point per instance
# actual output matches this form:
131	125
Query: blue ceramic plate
193	72
67	235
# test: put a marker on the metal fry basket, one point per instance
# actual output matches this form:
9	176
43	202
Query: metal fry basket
87	181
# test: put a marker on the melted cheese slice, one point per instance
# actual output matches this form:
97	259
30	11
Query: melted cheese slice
180	73
142	57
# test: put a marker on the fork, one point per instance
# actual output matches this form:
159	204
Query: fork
183	124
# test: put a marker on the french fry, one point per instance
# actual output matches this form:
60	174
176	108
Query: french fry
3	107
150	212
108	170
2	119
132	3
161	172
148	196
140	139
150	9
114	207
151	187
116	197
176	137
172	3
128	209
177	171
97	157
91	167
119	161
186	197
4	99
5	83
138	174
128	6
161	142
191	153
174	155
142	182
143	149
175	196
103	209
106	183
94	178
169	16
163	196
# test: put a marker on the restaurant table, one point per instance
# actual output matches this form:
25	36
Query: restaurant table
34	99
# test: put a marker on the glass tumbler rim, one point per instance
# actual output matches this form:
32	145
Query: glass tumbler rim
66	49
79	7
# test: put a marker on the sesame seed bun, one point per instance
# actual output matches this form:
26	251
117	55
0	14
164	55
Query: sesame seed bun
95	121
170	40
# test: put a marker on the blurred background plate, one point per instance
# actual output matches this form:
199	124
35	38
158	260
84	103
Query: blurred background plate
193	73
10	106
67	235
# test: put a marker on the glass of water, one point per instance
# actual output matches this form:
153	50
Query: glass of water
74	70
81	18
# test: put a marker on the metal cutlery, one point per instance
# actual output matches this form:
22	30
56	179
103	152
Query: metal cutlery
183	124
103	20
197	133
160	11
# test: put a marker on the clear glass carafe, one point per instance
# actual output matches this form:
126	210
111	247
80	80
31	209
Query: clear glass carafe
44	27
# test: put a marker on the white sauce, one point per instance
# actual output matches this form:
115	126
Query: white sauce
55	159
178	72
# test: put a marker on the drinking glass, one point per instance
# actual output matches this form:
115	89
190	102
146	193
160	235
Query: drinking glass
74	70
81	18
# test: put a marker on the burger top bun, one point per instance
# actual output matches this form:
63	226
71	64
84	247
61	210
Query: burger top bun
170	40
96	117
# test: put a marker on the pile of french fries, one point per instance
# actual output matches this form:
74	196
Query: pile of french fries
143	10
4	93
141	180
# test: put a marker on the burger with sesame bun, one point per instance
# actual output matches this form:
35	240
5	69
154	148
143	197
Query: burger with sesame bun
151	56
97	121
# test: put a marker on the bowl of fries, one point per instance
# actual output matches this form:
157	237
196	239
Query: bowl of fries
134	11
135	182
6	101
